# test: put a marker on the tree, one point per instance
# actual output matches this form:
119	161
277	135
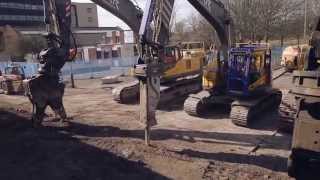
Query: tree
265	19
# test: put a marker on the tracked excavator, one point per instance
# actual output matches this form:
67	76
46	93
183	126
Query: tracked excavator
181	78
245	87
300	112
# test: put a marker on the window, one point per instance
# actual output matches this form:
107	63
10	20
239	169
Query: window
90	19
117	40
1	41
89	10
99	55
108	40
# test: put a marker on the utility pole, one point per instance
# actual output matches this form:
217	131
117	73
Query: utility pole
305	19
71	75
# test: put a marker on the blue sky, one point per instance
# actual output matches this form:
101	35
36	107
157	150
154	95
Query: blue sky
107	19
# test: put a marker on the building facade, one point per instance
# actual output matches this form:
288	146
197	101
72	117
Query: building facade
29	13
84	15
94	42
21	12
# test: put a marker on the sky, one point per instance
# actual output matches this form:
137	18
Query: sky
184	9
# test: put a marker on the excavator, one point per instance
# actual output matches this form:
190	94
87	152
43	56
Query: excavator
183	76
245	87
300	112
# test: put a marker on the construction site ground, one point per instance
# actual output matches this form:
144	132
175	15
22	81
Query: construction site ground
104	140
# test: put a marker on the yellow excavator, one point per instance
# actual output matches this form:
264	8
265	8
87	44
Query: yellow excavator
181	78
245	86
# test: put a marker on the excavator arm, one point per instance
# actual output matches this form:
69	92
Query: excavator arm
125	10
153	37
218	16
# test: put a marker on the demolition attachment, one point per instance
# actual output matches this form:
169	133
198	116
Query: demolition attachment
154	35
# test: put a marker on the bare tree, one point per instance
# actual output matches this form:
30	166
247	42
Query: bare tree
255	20
266	19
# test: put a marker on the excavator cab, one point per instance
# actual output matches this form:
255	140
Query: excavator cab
249	69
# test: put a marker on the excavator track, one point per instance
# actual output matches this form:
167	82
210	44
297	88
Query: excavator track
130	92
126	93
287	112
243	113
240	115
195	103
169	91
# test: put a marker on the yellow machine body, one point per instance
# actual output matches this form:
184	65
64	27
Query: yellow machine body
191	62
263	71
211	73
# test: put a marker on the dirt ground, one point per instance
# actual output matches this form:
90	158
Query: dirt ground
104	140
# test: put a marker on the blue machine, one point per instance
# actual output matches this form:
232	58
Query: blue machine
249	69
